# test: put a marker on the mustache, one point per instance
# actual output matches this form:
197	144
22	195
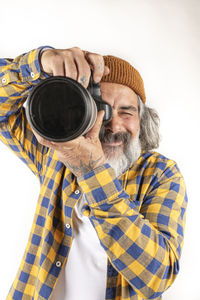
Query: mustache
110	137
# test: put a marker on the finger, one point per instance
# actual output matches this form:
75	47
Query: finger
57	64
59	69
45	61
97	63
70	67
94	132
83	70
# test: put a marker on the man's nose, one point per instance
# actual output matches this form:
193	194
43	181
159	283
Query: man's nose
115	124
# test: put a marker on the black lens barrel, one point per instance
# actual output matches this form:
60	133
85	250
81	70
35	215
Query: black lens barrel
59	109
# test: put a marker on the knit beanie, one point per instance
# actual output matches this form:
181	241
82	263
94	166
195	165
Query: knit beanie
124	73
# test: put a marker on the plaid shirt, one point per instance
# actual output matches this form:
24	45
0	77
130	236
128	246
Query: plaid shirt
139	217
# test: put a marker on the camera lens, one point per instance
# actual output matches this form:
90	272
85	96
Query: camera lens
60	109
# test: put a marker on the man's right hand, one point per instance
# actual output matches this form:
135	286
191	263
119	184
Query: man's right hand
74	63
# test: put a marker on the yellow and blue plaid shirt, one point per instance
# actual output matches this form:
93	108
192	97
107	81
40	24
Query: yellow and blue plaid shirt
139	217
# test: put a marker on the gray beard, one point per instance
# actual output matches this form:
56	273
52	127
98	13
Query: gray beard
129	156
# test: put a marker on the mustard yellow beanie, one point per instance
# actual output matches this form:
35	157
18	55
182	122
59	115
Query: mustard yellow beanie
124	73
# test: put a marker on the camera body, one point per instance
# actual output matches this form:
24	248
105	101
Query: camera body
60	109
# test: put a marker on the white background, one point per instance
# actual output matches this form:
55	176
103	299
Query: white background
161	38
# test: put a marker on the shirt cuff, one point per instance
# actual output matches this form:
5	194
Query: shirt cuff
30	68
101	185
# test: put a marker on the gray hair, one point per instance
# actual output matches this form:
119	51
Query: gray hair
149	127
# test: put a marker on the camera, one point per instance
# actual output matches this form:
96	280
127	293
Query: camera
60	109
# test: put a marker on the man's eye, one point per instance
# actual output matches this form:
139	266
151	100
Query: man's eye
125	113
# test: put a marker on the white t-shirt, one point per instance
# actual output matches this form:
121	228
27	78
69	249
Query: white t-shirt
84	276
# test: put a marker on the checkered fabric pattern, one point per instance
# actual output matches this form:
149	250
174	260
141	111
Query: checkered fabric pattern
139	217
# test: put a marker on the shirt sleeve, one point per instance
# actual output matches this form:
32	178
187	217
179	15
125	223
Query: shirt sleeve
145	246
17	77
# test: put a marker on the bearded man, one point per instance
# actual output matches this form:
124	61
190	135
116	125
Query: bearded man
110	217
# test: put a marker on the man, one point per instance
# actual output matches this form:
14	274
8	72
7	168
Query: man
110	216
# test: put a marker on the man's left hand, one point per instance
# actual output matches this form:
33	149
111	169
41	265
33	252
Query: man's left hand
82	154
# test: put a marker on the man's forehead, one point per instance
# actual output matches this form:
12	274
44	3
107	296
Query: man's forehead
118	93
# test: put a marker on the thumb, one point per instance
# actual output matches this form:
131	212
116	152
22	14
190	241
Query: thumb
94	132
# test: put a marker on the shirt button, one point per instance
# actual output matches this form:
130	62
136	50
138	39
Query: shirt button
58	264
4	80
32	75
67	226
77	192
